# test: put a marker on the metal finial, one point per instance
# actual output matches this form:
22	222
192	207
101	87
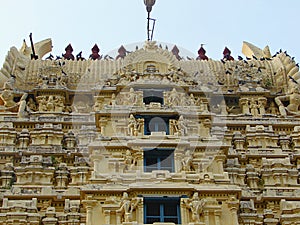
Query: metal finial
149	4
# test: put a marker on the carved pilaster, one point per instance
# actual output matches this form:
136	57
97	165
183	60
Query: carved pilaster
220	160
238	141
89	204
244	103
107	216
206	216
284	141
102	123
233	205
262	102
217	214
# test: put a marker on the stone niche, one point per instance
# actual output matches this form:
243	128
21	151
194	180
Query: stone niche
19	212
35	170
47	134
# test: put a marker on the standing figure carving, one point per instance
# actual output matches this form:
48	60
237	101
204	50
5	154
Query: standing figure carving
182	127
127	207
134	125
196	206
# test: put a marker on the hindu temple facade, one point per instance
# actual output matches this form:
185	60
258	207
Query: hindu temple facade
149	137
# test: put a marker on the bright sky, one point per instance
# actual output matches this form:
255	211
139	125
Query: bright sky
186	23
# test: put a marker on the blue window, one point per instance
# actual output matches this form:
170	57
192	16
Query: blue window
158	159
156	124
164	209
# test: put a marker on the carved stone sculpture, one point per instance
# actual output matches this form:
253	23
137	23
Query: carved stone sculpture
187	161
51	103
294	102
196	206
127	207
134	125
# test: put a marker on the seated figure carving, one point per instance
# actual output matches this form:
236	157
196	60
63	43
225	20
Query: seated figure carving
294	102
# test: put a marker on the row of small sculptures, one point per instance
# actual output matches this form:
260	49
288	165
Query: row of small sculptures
286	105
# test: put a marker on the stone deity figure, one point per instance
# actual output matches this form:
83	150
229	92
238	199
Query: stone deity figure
42	100
31	105
59	104
187	161
173	126
127	207
173	98
272	109
192	100
129	160
7	95
223	108
196	206
132	125
181	124
50	104
294	102
7	98
22	106
261	106
253	107
132	97
245	106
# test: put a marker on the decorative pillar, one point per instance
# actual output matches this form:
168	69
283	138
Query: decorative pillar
177	161
205	128
7	175
206	217
139	160
70	140
261	105
89	205
184	212
140	211
107	216
238	141
118	218
50	218
24	139
233	205
284	141
296	138
244	102
217	217
220	159
102	124
62	176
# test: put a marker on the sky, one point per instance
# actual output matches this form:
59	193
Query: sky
186	23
